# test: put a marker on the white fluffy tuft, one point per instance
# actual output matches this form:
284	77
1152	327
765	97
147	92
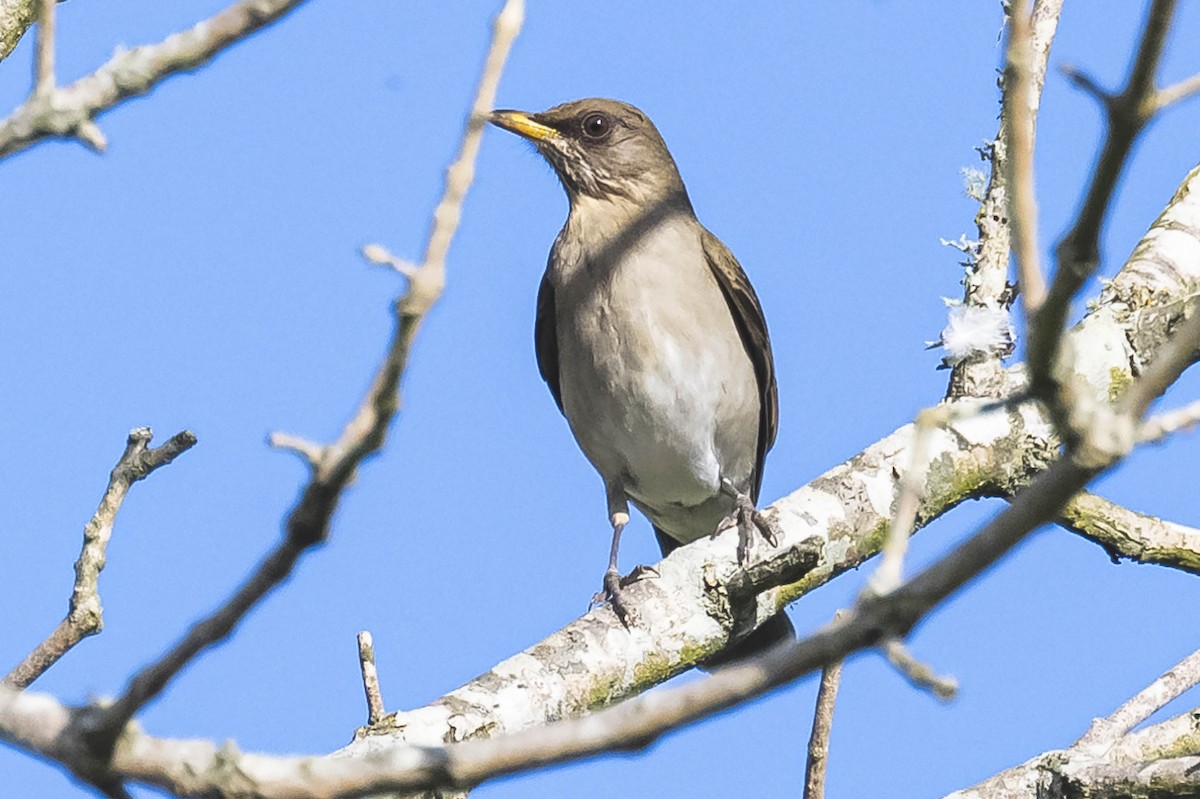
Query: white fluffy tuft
975	329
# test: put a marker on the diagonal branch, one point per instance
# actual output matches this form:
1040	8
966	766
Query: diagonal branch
308	522
68	111
1180	678
85	615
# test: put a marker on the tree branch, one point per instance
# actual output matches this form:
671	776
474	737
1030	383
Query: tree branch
1110	762
15	18
370	678
986	283
85	615
818	742
1181	677
68	111
595	660
1125	533
308	522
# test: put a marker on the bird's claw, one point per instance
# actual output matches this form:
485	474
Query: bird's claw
613	593
746	518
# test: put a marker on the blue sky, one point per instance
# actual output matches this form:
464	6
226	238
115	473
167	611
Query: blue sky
203	274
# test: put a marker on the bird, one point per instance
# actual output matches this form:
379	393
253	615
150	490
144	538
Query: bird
652	341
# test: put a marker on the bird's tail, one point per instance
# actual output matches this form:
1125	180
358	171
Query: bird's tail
774	630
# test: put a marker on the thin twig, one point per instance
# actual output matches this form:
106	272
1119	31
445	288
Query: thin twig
1164	424
1128	112
1022	216
1177	92
817	763
310	452
43	80
68	111
1181	677
921	675
85	614
889	575
370	678
308	522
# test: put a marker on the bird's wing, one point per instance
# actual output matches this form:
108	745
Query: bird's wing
748	317
545	338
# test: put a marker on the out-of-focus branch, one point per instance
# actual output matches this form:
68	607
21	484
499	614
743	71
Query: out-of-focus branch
1128	112
1077	254
68	111
1125	533
85	615
308	522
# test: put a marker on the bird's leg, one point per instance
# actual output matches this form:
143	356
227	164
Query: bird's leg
746	518
618	514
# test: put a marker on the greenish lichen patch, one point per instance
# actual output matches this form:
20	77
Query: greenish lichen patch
1118	380
653	670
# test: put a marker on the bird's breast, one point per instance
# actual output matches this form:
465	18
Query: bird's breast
655	380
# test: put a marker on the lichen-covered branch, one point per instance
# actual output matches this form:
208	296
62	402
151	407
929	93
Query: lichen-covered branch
986	286
1109	761
1127	534
85	614
15	18
697	603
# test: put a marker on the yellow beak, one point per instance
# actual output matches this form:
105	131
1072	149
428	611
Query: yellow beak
521	124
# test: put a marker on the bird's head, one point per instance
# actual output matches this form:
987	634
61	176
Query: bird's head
601	149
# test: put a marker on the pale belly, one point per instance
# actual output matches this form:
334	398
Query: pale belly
657	386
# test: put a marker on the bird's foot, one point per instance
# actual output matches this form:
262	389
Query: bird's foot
746	518
613	593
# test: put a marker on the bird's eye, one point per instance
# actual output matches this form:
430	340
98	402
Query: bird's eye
596	126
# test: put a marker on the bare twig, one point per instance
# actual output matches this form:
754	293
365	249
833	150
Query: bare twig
311	452
43	80
918	673
1176	92
890	573
68	111
1178	679
370	678
1167	423
85	615
1018	84
1128	112
817	763
308	522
